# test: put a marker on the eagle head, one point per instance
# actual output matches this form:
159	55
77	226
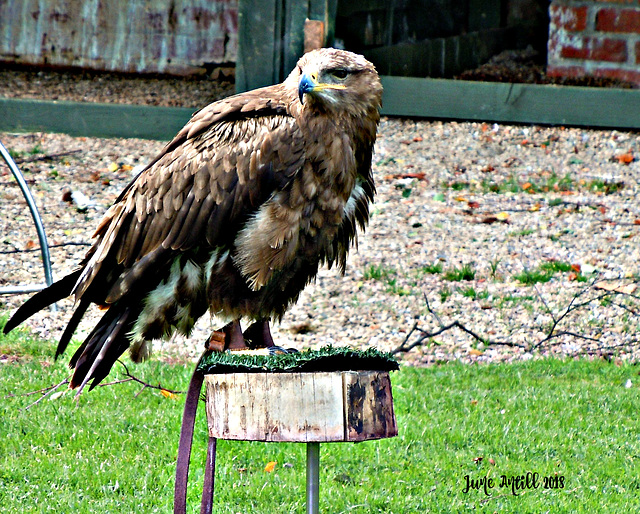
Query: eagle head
331	79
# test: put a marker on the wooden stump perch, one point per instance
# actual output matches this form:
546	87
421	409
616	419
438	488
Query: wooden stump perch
301	407
326	395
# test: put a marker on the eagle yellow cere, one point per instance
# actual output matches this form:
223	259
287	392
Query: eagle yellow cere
234	216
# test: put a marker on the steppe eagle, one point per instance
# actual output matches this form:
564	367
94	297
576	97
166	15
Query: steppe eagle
234	216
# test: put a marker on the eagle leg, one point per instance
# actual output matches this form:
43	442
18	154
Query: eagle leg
228	337
258	335
233	336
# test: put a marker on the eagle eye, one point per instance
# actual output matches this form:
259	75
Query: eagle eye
339	73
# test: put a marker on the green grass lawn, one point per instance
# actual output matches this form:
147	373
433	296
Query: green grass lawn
574	421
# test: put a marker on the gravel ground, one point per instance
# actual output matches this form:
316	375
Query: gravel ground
498	199
92	86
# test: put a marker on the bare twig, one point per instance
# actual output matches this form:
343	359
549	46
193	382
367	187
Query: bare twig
425	335
37	249
434	313
143	383
47	391
47	157
551	333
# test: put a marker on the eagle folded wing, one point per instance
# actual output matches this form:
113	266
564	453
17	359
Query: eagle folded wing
195	194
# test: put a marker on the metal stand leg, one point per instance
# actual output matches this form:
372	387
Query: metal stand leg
209	478
313	477
44	247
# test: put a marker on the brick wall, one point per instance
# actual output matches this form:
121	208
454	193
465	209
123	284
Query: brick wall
595	38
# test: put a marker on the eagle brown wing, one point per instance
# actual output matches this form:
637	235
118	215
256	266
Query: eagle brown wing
227	161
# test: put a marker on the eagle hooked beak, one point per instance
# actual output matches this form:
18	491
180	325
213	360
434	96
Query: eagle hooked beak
309	84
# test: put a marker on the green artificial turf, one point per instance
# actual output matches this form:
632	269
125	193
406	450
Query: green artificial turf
327	358
575	421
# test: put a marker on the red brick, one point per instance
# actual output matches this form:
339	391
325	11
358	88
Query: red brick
573	19
638	52
618	20
597	49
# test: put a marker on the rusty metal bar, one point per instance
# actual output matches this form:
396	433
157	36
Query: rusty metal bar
44	247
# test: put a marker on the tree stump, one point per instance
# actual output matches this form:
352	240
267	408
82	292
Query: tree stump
309	397
301	407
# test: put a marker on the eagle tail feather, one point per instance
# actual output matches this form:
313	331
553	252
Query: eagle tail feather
102	347
55	292
71	327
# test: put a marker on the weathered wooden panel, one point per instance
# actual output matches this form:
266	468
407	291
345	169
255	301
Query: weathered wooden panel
440	57
273	37
300	407
276	406
165	36
368	406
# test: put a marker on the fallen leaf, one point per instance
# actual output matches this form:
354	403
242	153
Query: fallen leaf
474	402
473	205
478	460
270	466
625	158
417	139
577	268
460	199
168	394
502	216
616	287
30	244
492	462
113	167
573	276
419	176
473	351
527	185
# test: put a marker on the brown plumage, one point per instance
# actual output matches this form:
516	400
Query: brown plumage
234	216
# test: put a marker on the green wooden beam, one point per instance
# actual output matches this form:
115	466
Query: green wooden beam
519	103
412	97
259	60
92	119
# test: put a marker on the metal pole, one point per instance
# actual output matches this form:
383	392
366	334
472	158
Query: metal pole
313	477
206	507
44	247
